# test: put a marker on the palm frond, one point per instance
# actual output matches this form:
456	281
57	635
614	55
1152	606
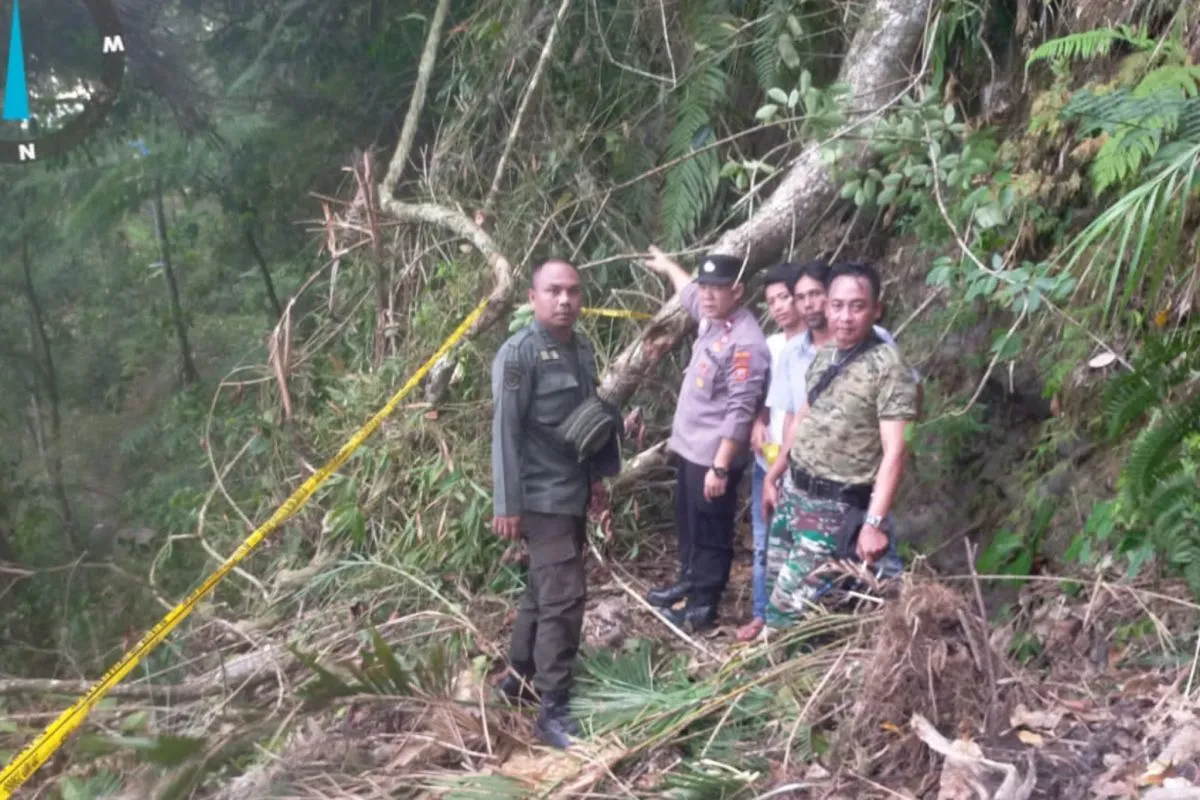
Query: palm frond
1137	236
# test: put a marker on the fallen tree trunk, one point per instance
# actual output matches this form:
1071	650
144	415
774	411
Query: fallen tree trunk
876	69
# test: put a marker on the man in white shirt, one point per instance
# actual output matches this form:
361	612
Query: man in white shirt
787	389
767	432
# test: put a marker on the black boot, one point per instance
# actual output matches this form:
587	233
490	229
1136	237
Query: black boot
516	689
694	617
667	596
554	725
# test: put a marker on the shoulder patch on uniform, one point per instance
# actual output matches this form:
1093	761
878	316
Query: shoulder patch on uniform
741	365
512	377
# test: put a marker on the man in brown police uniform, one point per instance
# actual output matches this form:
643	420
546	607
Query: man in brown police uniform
721	394
552	439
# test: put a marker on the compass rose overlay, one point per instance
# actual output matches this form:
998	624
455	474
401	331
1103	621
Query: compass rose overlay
28	145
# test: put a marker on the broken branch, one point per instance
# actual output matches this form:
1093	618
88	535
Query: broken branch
409	130
521	108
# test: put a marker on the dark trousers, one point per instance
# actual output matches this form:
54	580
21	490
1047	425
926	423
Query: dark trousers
705	531
546	635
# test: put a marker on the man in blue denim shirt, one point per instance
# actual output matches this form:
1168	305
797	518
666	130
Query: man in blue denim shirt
767	433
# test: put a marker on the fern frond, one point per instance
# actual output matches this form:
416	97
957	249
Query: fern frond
1174	525
1122	154
688	192
1179	80
690	187
1090	44
1150	457
771	23
1163	363
1127	398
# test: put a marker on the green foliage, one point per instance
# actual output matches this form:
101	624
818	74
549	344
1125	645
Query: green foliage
1147	128
1163	363
649	690
1091	44
1012	550
690	187
1158	509
924	152
806	110
427	673
959	41
1137	236
711	781
1137	122
103	784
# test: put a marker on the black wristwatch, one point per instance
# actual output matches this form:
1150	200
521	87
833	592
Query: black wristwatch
720	472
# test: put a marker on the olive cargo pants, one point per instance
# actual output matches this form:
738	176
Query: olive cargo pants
549	624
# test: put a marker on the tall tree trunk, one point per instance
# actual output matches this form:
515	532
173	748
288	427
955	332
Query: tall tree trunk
37	428
53	460
190	375
876	68
272	298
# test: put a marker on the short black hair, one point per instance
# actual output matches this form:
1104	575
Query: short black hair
817	270
787	274
539	266
858	269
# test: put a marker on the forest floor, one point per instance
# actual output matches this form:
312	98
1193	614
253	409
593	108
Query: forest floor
1087	690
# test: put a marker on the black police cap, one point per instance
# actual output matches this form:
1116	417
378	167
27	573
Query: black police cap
719	269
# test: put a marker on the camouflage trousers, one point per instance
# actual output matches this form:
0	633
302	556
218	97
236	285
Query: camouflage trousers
802	538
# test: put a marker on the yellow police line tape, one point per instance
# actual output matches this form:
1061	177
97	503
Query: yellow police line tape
619	313
39	751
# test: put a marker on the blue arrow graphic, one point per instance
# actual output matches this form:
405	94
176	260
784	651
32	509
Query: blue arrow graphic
16	93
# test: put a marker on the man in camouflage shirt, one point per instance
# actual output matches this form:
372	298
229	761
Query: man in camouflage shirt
845	447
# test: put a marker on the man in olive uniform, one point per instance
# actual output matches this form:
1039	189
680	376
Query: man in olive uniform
710	435
845	445
552	439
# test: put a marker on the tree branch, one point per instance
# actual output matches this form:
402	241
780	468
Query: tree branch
524	104
409	130
501	297
500	300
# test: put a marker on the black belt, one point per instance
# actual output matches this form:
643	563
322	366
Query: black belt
856	494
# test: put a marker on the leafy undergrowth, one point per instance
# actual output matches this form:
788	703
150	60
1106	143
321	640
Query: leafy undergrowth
1085	691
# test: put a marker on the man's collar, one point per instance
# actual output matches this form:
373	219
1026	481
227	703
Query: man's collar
549	336
729	320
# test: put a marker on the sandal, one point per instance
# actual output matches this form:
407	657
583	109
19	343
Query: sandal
750	631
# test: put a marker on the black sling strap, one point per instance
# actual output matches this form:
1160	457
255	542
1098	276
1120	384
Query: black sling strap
836	368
